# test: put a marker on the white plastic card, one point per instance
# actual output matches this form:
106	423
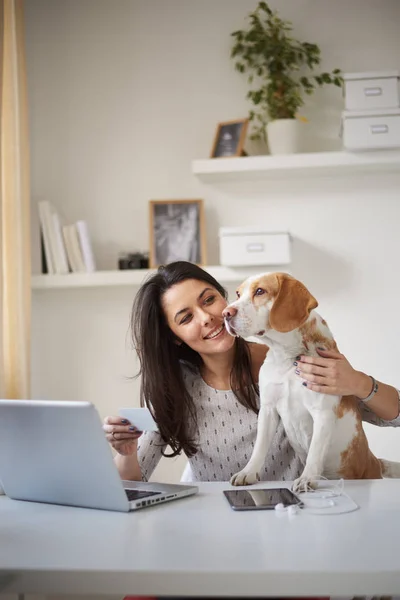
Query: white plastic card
139	417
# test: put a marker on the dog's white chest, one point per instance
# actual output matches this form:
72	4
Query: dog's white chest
297	420
280	387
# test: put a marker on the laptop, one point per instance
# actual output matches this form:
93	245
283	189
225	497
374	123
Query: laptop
56	452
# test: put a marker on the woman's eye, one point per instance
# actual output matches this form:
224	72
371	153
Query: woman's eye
209	300
259	292
186	319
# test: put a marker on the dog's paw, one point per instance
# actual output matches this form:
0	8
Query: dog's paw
304	484
245	477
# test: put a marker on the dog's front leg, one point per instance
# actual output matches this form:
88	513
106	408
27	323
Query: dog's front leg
324	422
267	424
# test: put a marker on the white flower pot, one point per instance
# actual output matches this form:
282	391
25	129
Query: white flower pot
284	136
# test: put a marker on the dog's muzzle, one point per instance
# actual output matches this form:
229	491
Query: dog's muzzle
229	327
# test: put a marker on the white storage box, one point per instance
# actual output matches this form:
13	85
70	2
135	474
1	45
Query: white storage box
374	130
244	246
365	91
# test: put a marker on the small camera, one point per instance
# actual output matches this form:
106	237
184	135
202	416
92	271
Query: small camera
135	260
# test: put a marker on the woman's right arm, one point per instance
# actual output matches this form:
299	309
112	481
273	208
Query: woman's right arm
128	467
135	459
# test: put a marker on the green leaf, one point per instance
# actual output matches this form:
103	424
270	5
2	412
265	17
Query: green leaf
264	6
267	51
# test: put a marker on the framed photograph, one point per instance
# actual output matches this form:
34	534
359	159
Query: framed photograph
230	138
177	232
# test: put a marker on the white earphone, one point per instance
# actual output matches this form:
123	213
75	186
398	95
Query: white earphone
320	500
292	509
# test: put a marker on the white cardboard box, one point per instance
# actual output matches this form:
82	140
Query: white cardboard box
371	131
244	246
371	90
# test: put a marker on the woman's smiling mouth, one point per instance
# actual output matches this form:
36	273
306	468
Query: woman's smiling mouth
216	333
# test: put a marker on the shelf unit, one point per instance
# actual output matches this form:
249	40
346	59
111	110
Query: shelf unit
231	169
135	277
265	167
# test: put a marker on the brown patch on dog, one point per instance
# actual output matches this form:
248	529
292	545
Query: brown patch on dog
324	322
312	335
292	302
347	404
239	290
357	461
268	283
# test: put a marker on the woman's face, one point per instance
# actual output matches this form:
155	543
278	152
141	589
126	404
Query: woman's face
194	314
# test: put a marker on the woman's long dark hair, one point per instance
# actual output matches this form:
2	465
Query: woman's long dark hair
163	389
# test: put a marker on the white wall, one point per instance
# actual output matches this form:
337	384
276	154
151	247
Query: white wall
123	95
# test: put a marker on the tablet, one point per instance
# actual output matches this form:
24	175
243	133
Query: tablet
261	499
139	417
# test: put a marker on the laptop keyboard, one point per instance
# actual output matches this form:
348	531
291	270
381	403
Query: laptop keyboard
136	494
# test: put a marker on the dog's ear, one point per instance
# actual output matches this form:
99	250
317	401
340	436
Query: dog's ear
292	304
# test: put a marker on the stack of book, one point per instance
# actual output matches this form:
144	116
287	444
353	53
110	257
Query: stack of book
65	248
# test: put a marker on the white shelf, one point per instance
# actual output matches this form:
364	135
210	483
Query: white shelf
250	167
96	279
134	278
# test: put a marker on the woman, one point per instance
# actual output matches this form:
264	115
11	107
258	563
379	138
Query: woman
201	384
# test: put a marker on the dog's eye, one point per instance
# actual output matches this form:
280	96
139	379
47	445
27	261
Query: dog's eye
237	295
259	292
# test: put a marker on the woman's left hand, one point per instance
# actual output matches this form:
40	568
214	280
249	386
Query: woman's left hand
329	373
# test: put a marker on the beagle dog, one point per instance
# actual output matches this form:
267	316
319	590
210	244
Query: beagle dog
325	431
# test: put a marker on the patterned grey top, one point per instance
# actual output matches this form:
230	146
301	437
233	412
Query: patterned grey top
226	436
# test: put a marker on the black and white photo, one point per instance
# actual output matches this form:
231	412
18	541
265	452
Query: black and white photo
229	139
176	231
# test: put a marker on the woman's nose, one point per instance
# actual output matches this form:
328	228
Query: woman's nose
229	312
206	318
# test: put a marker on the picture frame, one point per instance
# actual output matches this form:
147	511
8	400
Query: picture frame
177	232
229	139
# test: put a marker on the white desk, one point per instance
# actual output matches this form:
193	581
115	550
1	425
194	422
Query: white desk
199	545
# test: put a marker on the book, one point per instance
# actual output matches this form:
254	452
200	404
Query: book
74	253
60	253
64	248
86	246
43	260
45	229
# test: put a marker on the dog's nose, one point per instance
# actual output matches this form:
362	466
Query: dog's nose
229	312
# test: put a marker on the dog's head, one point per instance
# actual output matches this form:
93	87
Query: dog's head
268	301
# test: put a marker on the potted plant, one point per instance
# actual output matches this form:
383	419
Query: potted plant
278	64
